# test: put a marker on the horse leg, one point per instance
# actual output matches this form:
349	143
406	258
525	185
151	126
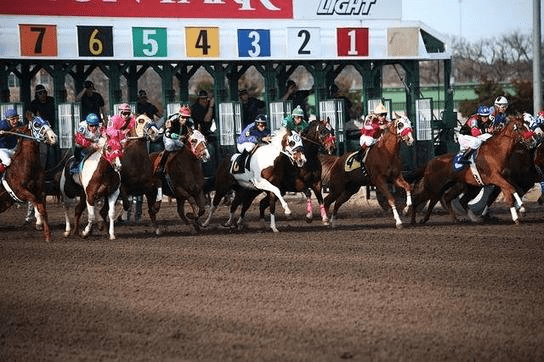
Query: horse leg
78	210
273	212
151	197
265	185
248	198
39	205
401	182
382	186
112	198
319	197
340	200
90	220
263	205
232	208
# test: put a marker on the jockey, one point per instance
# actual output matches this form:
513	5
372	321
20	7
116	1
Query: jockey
254	134
498	115
473	133
295	121
8	142
117	130
86	140
536	124
177	128
373	124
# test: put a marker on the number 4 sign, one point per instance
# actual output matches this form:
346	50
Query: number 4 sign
38	40
202	42
352	41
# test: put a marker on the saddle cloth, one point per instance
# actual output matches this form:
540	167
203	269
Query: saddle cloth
352	163
238	161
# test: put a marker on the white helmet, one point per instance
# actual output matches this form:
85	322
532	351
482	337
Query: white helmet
501	101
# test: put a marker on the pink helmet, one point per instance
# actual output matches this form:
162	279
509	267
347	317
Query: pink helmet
185	111
124	108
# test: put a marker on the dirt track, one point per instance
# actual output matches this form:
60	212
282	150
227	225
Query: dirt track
364	291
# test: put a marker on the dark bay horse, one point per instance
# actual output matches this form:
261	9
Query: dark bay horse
263	175
492	159
136	168
318	136
24	179
99	178
382	165
184	178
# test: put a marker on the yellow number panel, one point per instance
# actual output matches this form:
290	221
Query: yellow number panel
202	42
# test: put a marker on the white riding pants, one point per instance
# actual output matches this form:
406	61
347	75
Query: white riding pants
367	140
248	146
5	155
467	141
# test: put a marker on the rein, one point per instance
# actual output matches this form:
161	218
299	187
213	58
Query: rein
21	135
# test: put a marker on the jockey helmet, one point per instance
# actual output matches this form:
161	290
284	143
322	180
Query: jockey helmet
124	108
185	111
380	109
12	112
540	115
501	101
261	118
298	112
92	119
483	111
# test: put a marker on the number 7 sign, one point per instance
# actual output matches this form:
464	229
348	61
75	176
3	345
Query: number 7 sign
352	41
38	40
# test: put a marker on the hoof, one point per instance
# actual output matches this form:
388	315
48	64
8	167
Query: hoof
39	227
275	230
399	226
308	219
112	237
158	232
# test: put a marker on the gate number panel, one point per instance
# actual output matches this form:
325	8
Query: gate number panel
38	40
95	41
352	41
253	43
149	42
202	42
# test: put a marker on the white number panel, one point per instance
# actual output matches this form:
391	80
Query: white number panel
304	42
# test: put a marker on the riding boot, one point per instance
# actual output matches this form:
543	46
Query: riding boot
163	156
242	158
465	157
361	153
77	160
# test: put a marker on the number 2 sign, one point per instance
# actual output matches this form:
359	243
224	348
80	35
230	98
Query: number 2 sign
38	40
352	41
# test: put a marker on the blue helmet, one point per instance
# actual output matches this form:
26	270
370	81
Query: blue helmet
12	112
484	111
92	119
261	118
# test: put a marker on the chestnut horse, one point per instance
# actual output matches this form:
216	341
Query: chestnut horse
24	179
99	177
183	178
382	165
318	136
258	178
491	160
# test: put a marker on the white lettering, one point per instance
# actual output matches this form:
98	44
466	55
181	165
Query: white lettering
366	6
246	5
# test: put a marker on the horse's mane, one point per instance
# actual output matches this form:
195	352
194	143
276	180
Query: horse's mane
278	137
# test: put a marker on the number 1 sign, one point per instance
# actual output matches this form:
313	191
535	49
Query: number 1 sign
352	41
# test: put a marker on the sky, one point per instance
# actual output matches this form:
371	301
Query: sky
474	20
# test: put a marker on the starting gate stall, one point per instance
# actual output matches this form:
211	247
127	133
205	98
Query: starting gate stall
124	38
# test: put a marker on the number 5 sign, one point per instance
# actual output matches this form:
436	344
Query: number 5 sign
149	42
38	40
352	41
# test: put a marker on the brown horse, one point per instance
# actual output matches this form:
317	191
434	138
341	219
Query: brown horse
263	175
136	170
492	159
184	179
99	178
23	180
318	136
382	165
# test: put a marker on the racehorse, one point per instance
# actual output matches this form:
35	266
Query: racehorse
99	177
318	135
184	179
23	180
382	165
492	158
136	168
261	176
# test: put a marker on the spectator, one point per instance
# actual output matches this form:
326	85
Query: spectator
298	97
203	112
251	107
336	93
143	106
91	102
44	106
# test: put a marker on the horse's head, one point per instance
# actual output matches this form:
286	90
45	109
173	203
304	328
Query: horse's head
41	130
199	146
403	128
145	127
321	133
112	151
517	128
293	148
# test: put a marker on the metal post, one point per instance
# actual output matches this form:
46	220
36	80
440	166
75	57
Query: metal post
537	55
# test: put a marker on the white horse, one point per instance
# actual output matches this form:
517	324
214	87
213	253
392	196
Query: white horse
261	168
99	177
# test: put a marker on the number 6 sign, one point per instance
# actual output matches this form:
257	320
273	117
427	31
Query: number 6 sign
352	41
95	41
